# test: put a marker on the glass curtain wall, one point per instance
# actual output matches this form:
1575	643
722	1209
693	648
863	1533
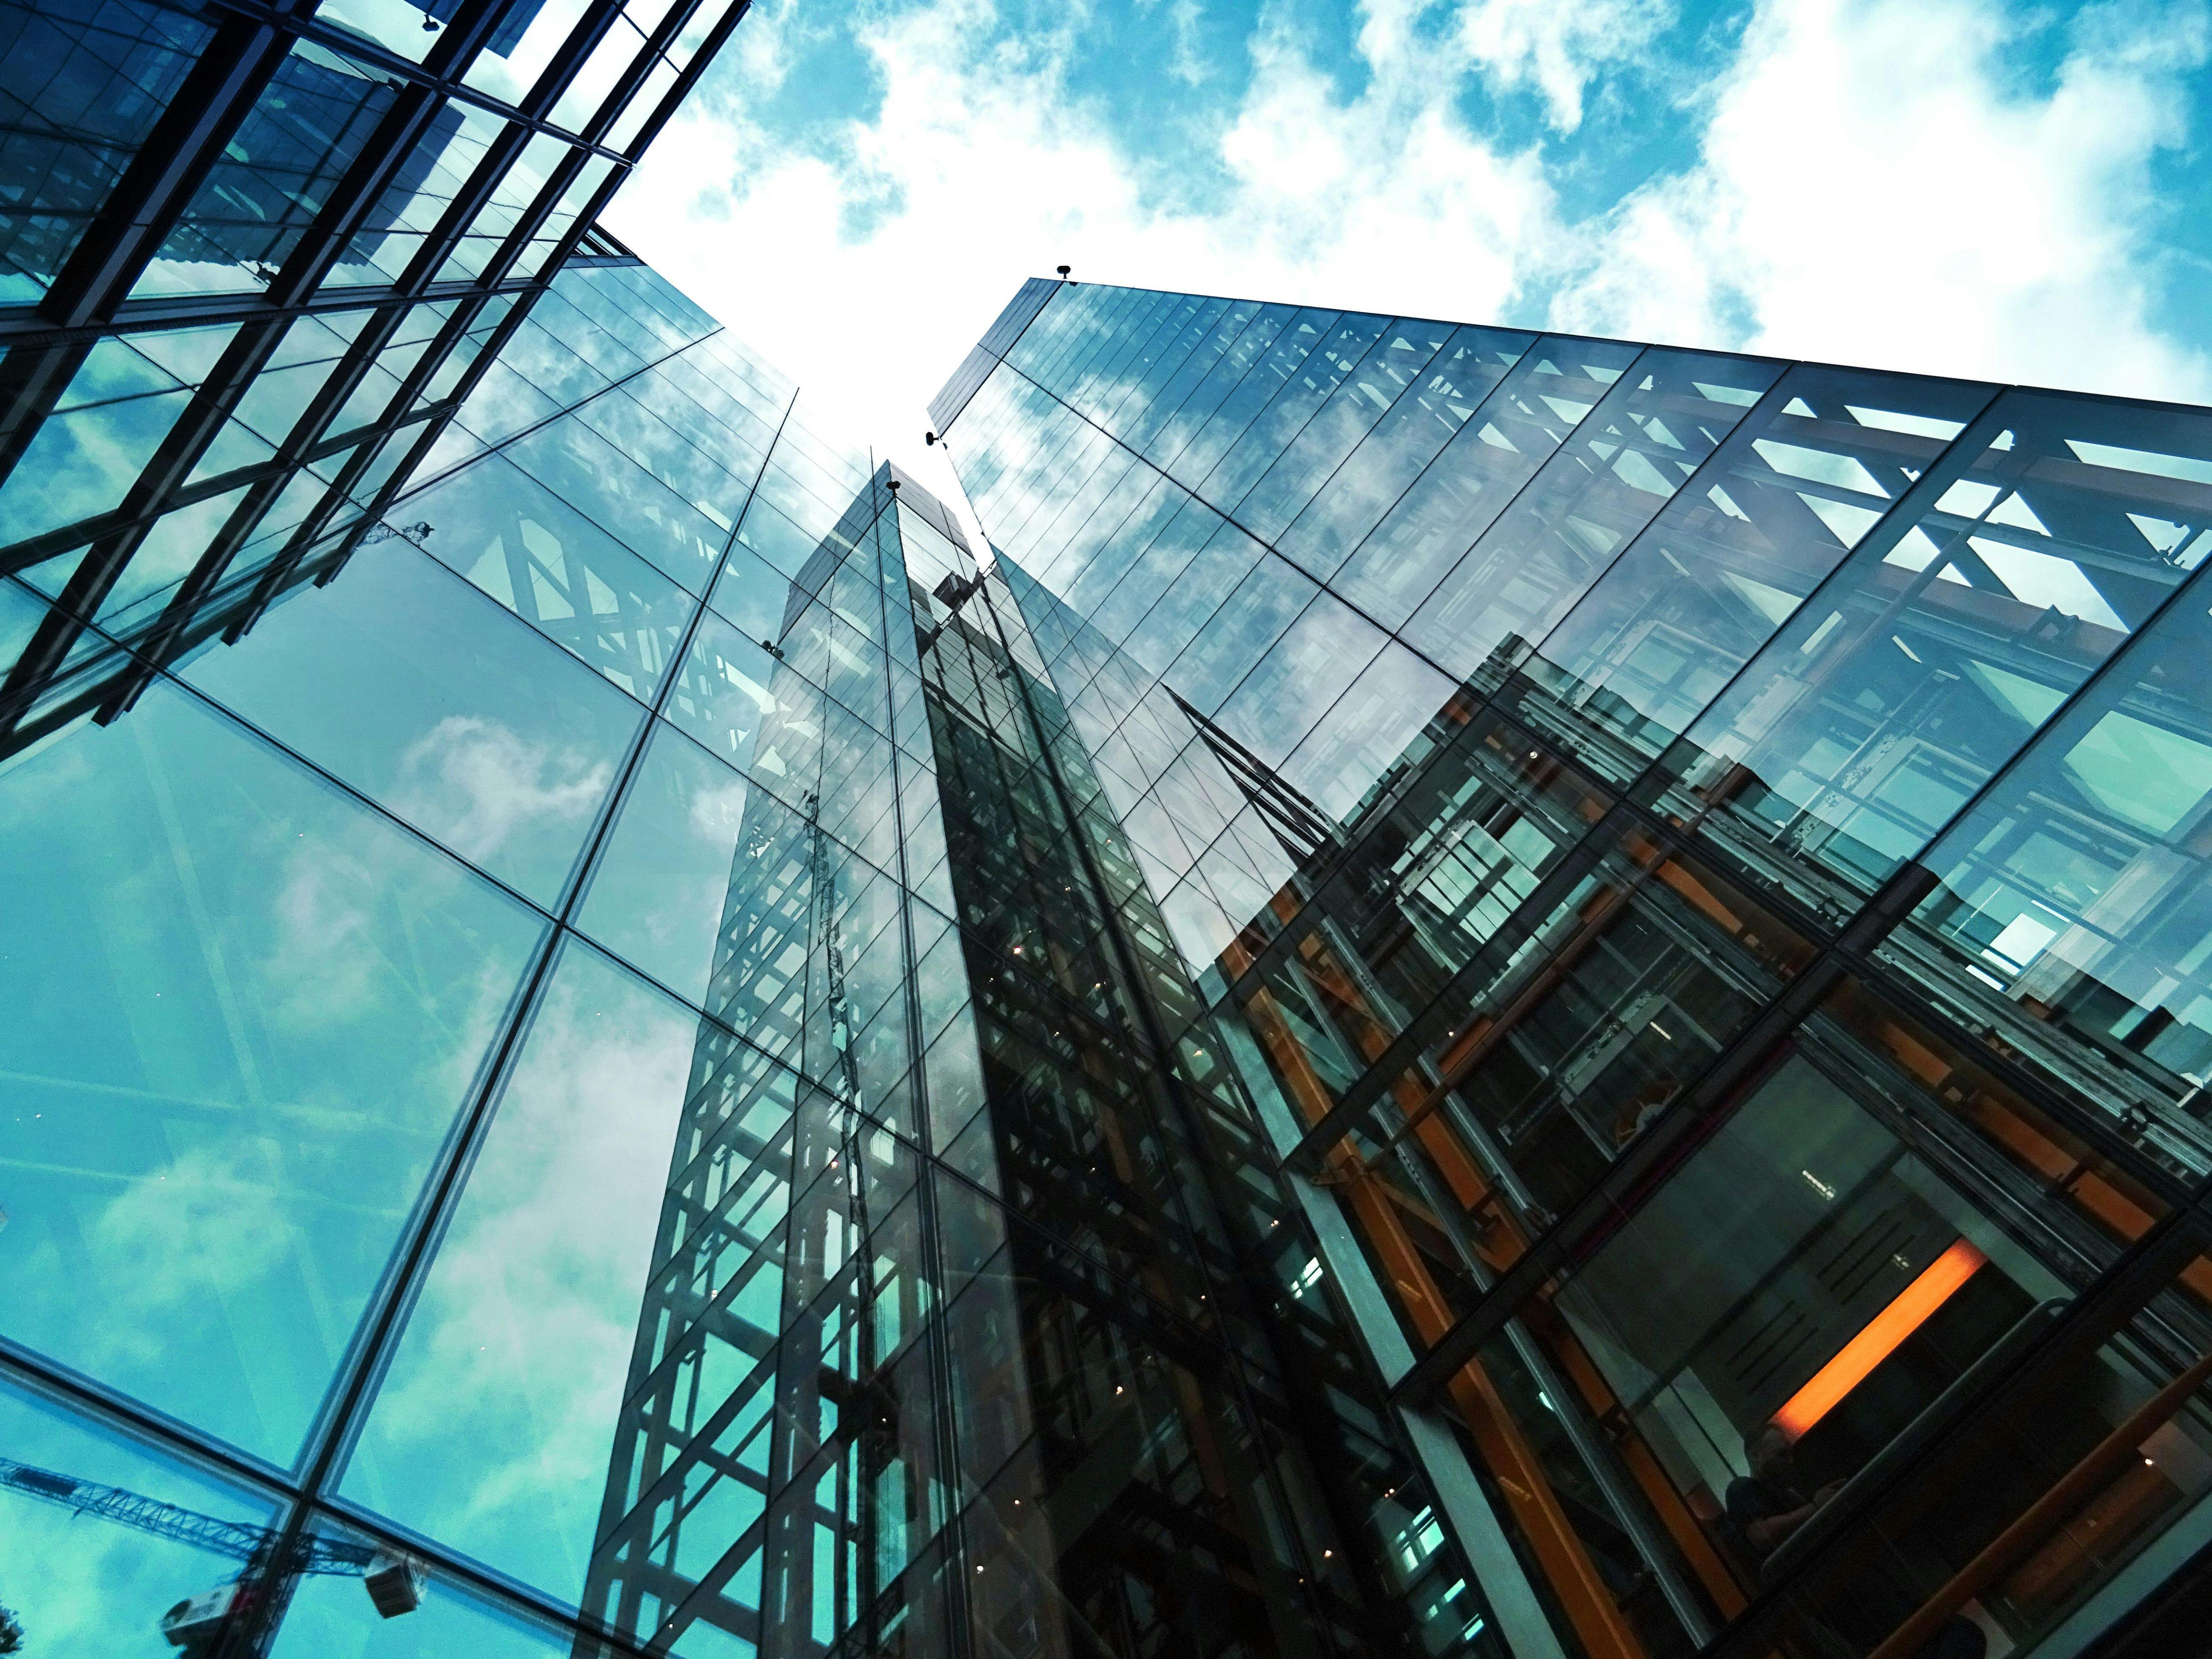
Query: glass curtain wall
251	262
1693	859
1175	1442
464	1059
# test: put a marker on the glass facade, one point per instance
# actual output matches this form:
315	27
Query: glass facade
1475	993
1691	862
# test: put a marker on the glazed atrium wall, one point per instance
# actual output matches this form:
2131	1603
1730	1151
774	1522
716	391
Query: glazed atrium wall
1700	864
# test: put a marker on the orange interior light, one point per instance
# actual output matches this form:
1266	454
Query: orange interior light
1936	1285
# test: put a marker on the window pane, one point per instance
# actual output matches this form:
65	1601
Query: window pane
84	87
246	1011
560	573
407	683
509	1407
657	893
83	1583
272	178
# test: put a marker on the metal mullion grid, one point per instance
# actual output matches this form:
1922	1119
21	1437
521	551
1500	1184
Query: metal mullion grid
449	80
1738	1066
23	327
206	413
379	1326
403	481
1190	1145
358	192
217	94
950	1536
161	488
377	1334
310	436
367	185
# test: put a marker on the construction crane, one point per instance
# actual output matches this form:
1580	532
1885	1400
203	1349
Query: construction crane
394	1583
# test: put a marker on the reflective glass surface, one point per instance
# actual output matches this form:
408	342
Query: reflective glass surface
1693	859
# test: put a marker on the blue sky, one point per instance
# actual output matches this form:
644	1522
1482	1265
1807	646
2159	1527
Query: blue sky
2014	192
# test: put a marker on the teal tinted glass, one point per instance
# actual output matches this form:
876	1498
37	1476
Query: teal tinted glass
559	573
411	686
78	1580
247	1011
493	1428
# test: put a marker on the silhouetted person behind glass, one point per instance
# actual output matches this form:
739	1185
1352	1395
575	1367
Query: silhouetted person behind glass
1767	1505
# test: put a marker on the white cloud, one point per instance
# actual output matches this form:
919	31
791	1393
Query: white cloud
1876	185
1876	181
474	783
1556	48
980	168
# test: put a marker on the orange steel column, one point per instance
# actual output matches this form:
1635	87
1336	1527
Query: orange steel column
1597	1618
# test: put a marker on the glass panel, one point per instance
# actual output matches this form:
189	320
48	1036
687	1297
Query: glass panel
1286	695
1804	479
623	499
405	682
1249	621
751	592
724	700
84	462
1366	380
1342	761
247	1010
1492	451
1249	406
595	77
338	1615
272	178
529	35
1945	641
1402	441
642	103
502	402
399	25
80	1579
1657	426
539	1352
658	891
558	572
83	88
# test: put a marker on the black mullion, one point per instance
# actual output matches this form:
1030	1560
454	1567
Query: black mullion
213	103
312	528
474	196
280	570
686	78
33	379
395	140
541	208
22	328
155	646
651	49
583	39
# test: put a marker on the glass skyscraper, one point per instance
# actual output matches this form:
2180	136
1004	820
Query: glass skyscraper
1474	993
1698	864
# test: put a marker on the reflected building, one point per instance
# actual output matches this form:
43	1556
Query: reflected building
1475	994
1694	860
